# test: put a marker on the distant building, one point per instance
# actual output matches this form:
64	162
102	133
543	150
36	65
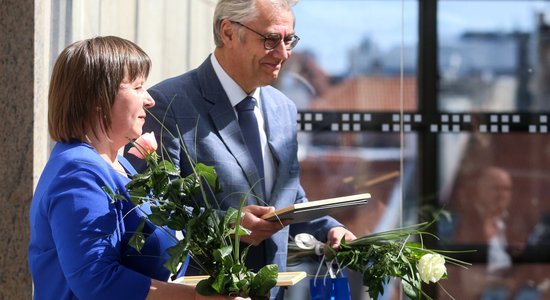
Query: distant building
484	54
302	79
369	93
541	82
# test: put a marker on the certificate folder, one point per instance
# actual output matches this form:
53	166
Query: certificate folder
303	212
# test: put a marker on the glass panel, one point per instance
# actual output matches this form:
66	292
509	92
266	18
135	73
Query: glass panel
493	180
344	163
498	203
473	283
346	70
495	63
354	62
338	164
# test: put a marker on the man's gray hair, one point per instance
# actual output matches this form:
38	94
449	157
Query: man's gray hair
241	11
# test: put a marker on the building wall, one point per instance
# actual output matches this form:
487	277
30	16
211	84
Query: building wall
23	78
176	34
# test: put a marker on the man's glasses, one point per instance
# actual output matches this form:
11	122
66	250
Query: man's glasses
272	40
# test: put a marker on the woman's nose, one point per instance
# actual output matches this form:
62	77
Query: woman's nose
149	101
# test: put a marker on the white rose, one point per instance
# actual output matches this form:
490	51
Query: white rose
431	267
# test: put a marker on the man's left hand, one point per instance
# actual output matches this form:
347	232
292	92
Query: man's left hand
336	234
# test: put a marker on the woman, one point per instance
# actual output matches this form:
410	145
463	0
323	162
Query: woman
79	235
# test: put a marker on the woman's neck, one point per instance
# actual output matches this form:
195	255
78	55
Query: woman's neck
106	148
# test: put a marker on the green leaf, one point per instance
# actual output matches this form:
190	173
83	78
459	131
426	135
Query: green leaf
114	196
158	219
138	239
177	190
168	168
242	231
410	290
223	255
204	287
218	283
139	180
178	254
176	222
237	269
265	279
139	196
230	217
209	174
244	253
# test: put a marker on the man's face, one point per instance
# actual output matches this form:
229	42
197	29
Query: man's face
254	66
495	190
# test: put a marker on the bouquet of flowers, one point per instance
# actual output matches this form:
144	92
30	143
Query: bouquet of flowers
382	256
211	237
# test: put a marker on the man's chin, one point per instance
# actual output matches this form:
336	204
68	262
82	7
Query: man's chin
269	80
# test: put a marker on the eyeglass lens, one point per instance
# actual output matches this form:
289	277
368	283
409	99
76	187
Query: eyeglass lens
272	40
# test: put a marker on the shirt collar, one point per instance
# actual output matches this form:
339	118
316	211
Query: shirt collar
232	89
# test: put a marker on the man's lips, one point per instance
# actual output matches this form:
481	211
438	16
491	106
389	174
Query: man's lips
275	66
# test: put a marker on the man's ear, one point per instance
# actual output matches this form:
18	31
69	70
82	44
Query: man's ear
227	33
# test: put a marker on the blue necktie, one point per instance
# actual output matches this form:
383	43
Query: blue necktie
249	128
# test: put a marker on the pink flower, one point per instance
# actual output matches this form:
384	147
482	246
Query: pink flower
145	145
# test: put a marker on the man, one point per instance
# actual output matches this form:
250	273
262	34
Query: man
200	108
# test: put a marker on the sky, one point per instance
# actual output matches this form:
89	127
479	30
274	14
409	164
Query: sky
331	28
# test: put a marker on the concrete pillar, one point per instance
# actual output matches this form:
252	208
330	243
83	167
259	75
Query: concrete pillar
23	136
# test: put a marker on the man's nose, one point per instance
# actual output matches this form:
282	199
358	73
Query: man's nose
281	52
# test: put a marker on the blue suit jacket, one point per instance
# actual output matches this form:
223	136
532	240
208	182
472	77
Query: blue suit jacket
79	237
195	112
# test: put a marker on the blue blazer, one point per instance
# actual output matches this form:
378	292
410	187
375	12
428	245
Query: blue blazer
199	121
79	237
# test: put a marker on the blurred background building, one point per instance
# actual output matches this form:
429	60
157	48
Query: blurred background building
425	104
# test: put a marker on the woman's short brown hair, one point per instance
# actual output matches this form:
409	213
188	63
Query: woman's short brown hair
85	80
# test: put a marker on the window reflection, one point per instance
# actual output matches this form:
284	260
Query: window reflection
473	283
356	61
336	164
349	64
494	184
497	201
497	63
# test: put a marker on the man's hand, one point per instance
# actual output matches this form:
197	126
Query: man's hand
260	228
334	236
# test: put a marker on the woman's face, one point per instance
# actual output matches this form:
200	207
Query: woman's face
128	113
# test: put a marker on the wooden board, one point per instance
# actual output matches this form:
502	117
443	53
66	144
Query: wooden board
284	278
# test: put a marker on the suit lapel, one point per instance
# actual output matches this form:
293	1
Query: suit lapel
226	124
